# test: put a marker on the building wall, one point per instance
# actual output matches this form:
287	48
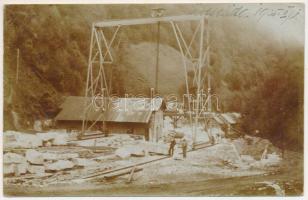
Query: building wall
113	127
69	125
156	126
128	128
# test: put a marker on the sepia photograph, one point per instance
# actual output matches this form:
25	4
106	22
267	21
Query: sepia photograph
113	100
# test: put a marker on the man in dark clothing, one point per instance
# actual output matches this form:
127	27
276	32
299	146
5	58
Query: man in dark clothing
184	147
171	147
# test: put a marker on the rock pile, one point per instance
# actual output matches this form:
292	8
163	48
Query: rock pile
14	164
34	162
13	139
254	146
113	141
30	160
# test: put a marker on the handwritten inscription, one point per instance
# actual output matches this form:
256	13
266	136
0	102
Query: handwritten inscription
283	13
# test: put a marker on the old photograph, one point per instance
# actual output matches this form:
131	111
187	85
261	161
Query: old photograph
195	99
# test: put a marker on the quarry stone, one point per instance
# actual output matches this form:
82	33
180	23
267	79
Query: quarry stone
34	169
8	169
84	162
66	156
34	157
10	158
122	153
21	168
60	140
59	165
13	139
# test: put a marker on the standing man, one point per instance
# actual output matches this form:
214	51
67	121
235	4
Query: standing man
184	147
171	147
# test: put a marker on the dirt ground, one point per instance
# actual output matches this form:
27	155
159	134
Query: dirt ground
233	167
184	182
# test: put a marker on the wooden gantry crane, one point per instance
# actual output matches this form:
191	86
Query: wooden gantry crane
100	58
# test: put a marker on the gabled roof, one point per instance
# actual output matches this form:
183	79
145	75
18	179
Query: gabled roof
136	110
218	119
226	118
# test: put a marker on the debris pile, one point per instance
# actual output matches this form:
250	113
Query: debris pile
254	146
14	164
13	139
50	158
256	152
112	141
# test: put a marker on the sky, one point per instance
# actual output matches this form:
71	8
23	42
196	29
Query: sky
284	20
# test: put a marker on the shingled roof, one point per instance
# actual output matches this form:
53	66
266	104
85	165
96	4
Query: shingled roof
136	110
227	118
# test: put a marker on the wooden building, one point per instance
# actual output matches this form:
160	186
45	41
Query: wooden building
228	122
140	116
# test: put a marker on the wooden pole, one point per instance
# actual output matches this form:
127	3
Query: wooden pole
88	83
185	69
208	66
197	112
17	66
130	178
157	57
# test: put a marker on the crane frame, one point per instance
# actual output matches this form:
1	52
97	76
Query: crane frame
100	53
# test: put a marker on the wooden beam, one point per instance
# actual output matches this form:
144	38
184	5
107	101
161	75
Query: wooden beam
88	82
130	178
17	66
152	20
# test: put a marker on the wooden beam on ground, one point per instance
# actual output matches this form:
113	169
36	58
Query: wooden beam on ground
122	173
130	178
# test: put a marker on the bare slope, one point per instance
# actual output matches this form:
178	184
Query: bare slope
139	65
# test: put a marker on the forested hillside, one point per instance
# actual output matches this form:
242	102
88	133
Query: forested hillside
253	72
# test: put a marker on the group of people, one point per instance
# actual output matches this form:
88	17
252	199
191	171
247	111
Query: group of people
183	144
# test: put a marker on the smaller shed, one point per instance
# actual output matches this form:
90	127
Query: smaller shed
226	121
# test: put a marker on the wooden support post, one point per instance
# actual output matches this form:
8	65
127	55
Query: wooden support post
88	83
130	178
157	57
17	66
208	65
95	145
199	65
185	69
264	154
